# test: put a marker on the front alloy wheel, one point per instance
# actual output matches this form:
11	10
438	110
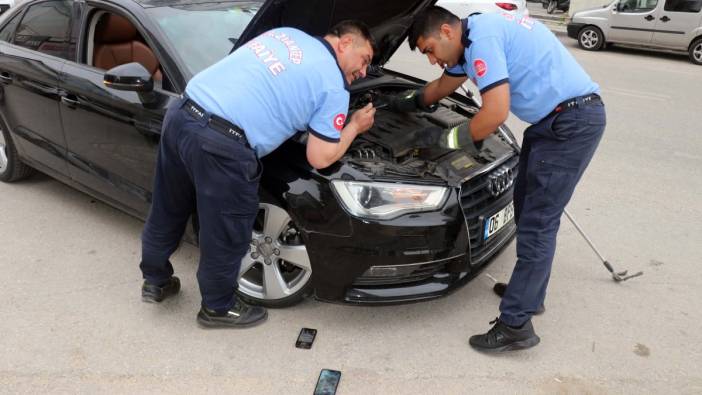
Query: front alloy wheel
696	52
590	38
276	270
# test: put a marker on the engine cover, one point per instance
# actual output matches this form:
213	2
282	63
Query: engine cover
400	133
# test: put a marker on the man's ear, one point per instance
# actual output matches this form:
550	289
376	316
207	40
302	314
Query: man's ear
446	30
345	41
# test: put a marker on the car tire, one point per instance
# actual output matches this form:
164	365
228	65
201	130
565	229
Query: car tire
277	256
590	38
11	167
695	52
551	6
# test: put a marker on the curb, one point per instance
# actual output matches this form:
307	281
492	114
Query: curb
557	26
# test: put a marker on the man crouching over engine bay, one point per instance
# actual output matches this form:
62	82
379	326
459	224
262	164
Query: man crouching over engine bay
518	65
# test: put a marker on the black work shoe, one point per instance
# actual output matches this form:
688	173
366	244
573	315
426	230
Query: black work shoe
154	294
502	338
241	315
500	289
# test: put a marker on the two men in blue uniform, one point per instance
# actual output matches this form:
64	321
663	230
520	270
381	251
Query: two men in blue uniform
232	114
518	65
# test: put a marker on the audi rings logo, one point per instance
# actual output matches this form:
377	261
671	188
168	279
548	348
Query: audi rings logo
500	180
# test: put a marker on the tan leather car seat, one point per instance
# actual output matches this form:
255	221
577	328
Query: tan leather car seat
116	43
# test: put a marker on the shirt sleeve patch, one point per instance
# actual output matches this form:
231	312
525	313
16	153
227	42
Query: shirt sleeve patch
339	121
330	114
480	67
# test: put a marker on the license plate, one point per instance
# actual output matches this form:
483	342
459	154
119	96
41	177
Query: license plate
498	221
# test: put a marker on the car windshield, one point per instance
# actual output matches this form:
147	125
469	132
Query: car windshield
202	34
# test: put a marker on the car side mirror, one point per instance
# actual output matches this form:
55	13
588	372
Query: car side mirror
129	77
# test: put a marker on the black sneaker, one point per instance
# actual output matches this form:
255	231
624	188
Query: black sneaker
500	288
241	315
501	338
154	294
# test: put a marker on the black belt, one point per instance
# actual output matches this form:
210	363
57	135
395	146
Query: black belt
216	123
580	101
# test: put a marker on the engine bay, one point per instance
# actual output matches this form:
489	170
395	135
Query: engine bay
396	146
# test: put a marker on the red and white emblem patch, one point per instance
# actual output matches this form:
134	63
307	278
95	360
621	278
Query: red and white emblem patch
480	67
339	121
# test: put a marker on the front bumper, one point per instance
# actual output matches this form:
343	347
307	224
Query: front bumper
441	283
415	257
574	29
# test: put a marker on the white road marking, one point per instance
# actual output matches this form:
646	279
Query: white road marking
639	94
686	155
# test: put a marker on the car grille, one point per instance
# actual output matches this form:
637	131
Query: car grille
482	197
3	8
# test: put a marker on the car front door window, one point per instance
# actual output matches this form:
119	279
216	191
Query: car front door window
637	6
45	28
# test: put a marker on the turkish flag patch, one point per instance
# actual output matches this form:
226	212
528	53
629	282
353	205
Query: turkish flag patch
339	121
480	67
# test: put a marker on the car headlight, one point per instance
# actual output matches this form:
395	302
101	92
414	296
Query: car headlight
386	200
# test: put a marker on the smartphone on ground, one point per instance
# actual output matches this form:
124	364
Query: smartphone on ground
327	382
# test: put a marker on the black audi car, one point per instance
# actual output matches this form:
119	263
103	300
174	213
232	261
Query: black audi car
392	221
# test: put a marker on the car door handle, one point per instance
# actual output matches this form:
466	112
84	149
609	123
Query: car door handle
70	100
665	19
649	17
5	78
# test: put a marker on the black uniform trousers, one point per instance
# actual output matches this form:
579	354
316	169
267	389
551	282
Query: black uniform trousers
555	153
200	167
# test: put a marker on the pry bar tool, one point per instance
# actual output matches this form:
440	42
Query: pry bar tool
617	276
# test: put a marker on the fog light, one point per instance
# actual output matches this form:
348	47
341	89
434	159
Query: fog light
381	271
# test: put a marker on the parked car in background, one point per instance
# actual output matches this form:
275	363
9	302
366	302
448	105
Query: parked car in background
84	86
552	5
466	8
657	24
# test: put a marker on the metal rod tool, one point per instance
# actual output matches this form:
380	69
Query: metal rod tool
617	276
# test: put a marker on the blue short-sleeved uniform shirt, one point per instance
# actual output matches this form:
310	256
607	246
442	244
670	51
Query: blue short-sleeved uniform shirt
281	82
504	48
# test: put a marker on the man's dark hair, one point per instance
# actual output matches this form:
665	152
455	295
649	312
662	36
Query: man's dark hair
356	27
428	23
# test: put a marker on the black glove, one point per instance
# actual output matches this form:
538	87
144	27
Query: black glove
408	102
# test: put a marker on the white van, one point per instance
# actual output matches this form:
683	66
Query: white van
661	24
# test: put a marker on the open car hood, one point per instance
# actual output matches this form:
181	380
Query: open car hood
389	20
